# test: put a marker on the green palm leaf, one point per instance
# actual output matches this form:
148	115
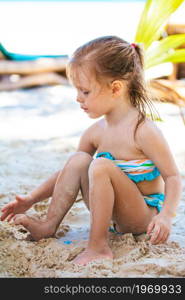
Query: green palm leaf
153	19
159	51
176	57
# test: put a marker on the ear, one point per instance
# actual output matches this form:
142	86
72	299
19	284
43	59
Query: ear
117	87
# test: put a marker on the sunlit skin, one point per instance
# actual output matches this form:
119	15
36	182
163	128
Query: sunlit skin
108	193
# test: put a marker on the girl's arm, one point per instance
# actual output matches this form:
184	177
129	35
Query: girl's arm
152	142
45	190
87	141
173	191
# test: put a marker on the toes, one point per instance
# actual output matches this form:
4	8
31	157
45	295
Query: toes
19	219
10	217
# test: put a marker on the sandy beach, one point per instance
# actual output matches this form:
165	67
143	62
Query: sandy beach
40	129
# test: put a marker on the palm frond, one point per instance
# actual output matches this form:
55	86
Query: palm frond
161	50
153	19
176	56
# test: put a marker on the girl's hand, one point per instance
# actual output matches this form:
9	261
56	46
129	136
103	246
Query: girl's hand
19	205
159	228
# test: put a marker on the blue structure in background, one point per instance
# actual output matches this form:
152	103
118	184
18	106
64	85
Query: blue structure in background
22	57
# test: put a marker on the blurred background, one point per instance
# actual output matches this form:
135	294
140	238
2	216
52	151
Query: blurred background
59	27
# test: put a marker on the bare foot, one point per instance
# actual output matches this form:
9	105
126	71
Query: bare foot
37	228
90	255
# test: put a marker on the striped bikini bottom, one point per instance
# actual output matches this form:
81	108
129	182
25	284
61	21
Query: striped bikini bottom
155	200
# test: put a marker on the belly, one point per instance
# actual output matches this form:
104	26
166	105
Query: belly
151	187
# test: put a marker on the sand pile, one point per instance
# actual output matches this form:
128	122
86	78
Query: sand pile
133	257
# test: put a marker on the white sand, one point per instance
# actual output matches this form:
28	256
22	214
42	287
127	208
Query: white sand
40	128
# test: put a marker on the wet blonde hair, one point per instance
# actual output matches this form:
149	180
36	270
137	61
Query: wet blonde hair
110	57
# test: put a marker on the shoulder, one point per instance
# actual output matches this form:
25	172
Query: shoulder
90	138
148	132
95	128
148	126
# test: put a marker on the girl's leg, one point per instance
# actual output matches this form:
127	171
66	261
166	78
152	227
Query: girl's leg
65	192
112	195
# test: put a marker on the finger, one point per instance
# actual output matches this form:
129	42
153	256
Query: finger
7	206
10	217
167	236
164	237
4	207
4	215
155	234
150	227
160	237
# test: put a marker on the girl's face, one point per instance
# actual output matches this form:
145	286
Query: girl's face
95	99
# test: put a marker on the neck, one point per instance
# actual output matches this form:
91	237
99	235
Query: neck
120	112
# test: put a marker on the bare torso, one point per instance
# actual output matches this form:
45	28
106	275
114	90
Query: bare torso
123	146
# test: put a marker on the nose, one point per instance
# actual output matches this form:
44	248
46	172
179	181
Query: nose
79	99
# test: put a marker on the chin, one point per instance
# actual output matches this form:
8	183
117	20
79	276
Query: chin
94	116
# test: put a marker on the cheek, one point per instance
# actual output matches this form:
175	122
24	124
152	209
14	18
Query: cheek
103	105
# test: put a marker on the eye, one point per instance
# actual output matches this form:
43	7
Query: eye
85	93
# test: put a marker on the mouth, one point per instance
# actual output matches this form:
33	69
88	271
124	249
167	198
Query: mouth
85	109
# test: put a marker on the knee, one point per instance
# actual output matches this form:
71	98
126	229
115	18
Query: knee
99	166
79	159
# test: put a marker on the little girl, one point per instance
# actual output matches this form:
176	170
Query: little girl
133	180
